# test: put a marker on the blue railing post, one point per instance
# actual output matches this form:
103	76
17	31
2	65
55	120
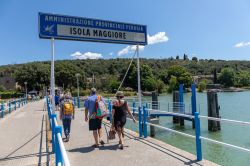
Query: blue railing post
145	116
181	98
198	139
19	103
47	100
110	110
78	102
193	99
14	104
140	121
74	101
49	114
58	129
2	108
9	103
48	108
53	131
196	124
134	107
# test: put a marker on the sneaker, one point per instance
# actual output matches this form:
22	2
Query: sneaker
67	138
121	146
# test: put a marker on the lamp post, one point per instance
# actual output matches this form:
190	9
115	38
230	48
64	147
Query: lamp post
25	83
77	78
78	99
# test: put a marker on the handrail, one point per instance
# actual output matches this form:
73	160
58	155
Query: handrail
58	146
11	105
226	144
173	113
63	150
196	118
226	120
174	131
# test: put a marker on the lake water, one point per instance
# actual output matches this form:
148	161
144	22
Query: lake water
233	105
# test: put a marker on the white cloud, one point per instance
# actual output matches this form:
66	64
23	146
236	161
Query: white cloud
159	37
86	55
129	49
242	44
111	53
124	51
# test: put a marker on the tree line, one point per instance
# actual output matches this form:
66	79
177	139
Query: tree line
156	74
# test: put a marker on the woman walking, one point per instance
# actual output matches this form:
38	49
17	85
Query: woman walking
119	114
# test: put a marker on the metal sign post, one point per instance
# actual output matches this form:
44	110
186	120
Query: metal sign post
138	75
52	78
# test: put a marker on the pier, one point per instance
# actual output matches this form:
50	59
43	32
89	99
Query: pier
24	135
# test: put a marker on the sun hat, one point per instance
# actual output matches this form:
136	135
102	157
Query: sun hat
119	94
93	90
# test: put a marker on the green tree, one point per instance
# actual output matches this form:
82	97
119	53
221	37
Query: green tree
2	88
173	85
243	78
113	85
195	59
202	85
149	84
160	86
227	77
185	57
181	74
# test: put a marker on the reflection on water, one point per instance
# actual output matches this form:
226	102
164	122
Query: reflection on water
233	105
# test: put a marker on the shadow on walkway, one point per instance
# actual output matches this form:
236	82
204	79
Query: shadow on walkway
83	149
40	154
164	150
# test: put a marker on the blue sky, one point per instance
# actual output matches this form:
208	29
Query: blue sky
209	29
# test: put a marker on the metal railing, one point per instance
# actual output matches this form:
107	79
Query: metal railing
143	123
11	106
57	144
193	114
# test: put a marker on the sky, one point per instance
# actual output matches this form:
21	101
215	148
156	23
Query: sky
209	29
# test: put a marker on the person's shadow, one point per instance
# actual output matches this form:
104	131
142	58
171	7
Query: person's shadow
83	149
108	147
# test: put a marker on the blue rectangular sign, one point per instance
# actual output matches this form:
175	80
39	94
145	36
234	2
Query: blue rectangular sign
87	29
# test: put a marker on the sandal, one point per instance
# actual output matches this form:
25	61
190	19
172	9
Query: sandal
95	146
102	142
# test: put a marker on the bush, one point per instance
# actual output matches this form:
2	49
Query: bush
2	88
172	84
202	86
10	94
227	77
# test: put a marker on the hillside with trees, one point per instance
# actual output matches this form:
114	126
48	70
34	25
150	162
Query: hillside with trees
156	74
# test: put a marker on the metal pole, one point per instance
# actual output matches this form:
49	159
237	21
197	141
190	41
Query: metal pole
77	85
52	83
138	76
197	138
140	121
78	99
25	83
145	116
